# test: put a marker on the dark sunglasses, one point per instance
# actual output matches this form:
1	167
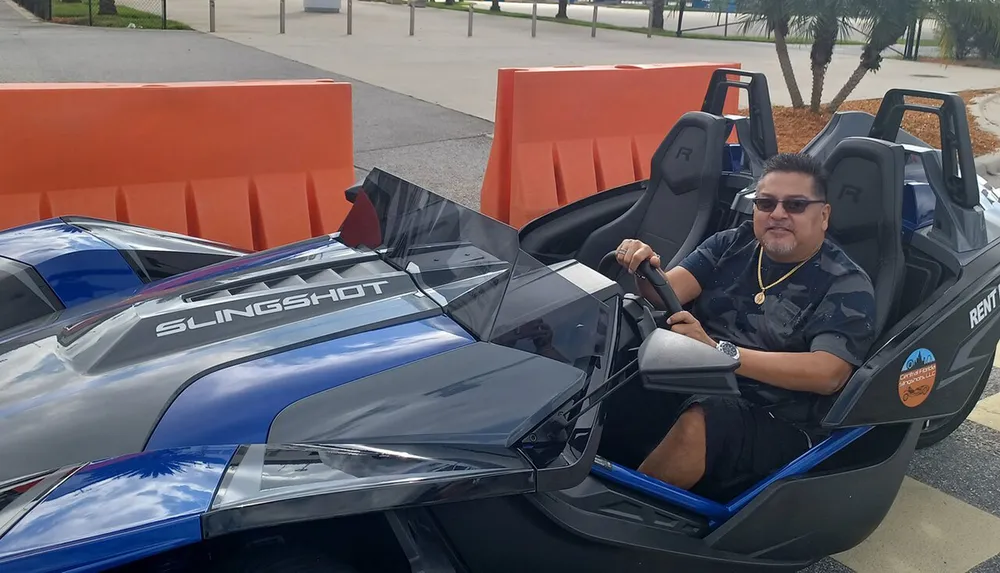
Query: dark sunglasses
794	206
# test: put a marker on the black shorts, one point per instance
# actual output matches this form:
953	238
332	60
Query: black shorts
744	442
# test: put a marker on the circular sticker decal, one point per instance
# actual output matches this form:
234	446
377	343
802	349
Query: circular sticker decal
917	377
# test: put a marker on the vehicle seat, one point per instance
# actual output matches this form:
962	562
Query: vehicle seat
674	212
866	195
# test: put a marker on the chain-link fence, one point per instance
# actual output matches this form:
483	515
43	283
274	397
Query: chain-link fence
105	13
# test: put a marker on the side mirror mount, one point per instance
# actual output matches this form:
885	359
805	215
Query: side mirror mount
351	193
671	362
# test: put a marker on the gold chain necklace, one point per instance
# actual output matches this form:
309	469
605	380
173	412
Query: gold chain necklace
759	297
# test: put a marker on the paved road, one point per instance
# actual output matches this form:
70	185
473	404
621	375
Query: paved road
947	516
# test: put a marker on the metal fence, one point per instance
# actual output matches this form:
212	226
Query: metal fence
114	13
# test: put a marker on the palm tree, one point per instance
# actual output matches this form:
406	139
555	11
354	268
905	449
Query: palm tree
966	27
776	15
658	14
830	20
885	22
561	12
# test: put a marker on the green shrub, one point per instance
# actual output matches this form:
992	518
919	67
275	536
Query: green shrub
968	28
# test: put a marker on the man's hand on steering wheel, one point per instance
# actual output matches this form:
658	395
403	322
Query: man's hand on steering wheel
631	252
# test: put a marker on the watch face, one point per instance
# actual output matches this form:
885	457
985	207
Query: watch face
728	348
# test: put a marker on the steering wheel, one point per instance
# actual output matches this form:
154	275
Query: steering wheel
646	270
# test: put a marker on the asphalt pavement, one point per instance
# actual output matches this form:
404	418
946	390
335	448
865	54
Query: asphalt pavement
946	518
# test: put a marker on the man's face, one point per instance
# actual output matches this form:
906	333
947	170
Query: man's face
788	236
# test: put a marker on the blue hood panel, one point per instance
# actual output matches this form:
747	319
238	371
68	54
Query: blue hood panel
116	511
78	266
238	404
82	387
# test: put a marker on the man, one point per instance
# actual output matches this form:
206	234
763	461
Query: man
789	303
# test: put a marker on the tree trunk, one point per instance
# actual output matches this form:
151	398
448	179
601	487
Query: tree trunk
495	6
819	77
107	8
786	67
852	82
561	12
658	14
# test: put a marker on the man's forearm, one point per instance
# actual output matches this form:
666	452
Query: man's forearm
818	372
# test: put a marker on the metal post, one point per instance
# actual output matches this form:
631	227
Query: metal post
916	44
350	16
211	16
282	16
413	16
470	20
90	12
593	24
163	11
680	17
534	17
649	23
725	31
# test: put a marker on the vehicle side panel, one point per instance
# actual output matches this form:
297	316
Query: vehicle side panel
554	536
284	483
237	405
480	393
117	510
843	507
931	364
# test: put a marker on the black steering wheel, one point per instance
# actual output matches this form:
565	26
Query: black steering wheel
660	285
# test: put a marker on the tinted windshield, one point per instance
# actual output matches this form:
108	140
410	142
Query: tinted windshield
473	266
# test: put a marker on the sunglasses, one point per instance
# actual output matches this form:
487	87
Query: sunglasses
794	206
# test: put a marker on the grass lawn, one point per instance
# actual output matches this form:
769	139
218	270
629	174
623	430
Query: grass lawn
78	13
464	6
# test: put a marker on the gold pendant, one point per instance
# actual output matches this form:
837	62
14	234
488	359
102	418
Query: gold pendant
759	298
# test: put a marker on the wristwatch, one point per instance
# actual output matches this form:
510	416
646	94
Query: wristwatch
728	348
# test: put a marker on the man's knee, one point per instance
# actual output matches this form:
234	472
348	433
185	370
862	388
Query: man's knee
680	456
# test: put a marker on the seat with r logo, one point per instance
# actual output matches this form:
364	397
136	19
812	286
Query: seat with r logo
674	212
866	195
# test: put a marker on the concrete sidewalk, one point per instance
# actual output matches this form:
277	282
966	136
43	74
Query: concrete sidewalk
441	64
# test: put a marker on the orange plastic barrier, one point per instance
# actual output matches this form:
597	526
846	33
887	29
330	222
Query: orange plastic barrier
567	132
252	164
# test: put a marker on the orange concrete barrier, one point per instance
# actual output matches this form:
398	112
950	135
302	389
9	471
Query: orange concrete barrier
252	164
567	132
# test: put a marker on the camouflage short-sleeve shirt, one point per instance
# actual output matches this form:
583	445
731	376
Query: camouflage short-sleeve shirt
828	304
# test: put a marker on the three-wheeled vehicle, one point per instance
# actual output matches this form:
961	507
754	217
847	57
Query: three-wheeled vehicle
431	390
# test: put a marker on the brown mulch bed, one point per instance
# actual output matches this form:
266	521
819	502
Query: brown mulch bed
796	127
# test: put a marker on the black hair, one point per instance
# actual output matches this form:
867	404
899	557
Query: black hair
800	163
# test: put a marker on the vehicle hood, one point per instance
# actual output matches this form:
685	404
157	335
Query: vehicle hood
92	382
